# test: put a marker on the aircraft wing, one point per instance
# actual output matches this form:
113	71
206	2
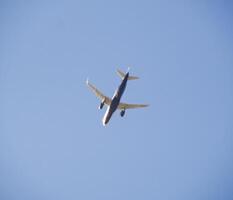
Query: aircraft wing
101	96
125	106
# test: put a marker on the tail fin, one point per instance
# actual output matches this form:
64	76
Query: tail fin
122	75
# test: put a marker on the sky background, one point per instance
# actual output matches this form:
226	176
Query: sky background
52	142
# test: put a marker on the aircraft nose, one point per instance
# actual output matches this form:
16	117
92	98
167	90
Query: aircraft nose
105	123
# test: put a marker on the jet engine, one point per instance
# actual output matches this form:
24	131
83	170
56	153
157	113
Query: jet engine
101	105
122	113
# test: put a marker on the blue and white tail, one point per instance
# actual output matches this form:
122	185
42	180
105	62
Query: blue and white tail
122	75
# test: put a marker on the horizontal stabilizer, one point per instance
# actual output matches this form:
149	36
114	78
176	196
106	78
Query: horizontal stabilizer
122	75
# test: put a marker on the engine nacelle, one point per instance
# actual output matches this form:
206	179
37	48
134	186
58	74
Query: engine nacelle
101	105
122	113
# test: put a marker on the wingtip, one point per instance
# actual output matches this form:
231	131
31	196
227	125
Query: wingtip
87	81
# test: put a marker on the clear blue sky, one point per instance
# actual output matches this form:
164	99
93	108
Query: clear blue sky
52	142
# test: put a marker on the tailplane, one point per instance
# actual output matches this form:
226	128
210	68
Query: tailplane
122	75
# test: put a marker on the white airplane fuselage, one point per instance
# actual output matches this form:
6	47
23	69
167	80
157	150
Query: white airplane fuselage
115	100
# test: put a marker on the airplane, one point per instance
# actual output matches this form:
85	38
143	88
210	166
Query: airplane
114	103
